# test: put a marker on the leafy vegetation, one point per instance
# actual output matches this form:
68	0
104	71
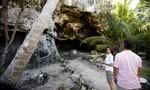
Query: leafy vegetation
98	43
125	23
145	72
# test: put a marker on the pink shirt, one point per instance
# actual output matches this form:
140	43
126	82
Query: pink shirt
128	63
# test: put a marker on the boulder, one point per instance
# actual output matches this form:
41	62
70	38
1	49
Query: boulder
33	81
45	53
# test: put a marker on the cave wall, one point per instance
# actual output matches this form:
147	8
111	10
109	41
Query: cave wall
75	24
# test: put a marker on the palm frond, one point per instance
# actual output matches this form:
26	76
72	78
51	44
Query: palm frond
102	47
145	27
100	41
89	39
125	29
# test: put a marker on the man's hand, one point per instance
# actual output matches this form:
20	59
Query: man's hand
115	74
115	80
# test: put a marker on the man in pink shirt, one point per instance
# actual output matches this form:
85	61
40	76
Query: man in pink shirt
127	68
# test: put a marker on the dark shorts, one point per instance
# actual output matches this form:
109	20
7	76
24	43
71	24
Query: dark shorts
109	75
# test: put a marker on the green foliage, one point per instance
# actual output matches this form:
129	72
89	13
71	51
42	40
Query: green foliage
143	12
145	27
143	4
98	38
119	21
122	11
126	24
141	42
142	29
120	30
89	39
102	47
129	24
145	72
99	43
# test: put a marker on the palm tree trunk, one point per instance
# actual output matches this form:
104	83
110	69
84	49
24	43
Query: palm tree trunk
23	55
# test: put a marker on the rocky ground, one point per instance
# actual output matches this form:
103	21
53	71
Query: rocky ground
56	79
93	76
73	73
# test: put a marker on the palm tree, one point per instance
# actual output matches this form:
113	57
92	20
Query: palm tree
99	43
119	21
23	55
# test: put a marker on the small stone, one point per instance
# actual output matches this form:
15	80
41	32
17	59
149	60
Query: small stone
143	80
74	52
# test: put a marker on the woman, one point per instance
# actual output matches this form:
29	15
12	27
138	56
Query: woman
109	68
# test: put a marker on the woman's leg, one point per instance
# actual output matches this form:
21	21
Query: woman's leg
110	80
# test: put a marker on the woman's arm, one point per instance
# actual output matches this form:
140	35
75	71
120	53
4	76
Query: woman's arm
108	64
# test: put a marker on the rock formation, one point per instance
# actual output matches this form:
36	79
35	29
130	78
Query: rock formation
46	49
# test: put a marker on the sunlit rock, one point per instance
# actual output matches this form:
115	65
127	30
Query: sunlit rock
26	18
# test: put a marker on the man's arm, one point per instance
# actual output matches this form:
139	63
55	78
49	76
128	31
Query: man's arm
116	67
139	72
115	74
139	67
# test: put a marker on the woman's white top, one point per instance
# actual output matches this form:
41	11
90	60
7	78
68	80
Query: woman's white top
109	60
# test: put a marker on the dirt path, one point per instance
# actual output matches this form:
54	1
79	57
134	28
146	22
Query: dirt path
90	73
93	76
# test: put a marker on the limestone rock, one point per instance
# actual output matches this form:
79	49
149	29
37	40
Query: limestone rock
27	17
